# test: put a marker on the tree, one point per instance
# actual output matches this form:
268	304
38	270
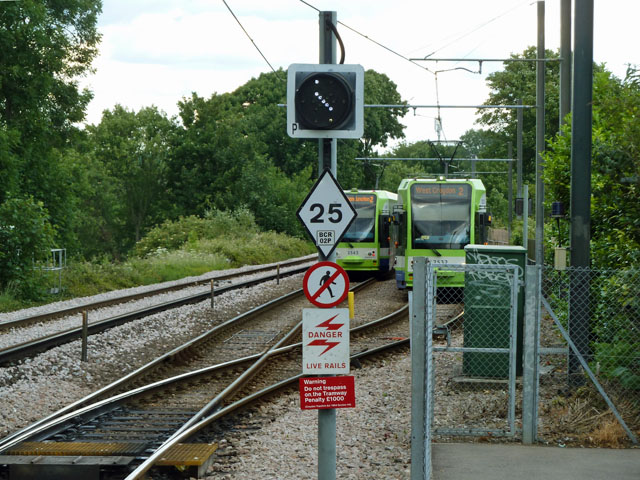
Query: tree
518	81
615	170
381	124
235	139
46	45
133	148
25	237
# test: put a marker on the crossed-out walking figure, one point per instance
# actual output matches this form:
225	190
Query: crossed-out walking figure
325	278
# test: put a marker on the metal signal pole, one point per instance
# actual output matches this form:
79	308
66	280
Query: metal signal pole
540	93
327	158
581	183
565	59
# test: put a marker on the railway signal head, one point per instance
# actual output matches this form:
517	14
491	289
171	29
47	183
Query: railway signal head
325	101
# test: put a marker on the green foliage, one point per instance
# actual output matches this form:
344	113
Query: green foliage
173	235
228	240
615	171
90	278
263	247
234	150
381	125
46	47
131	150
614	307
518	81
619	361
271	196
25	239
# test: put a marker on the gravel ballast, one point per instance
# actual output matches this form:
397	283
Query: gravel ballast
373	439
38	386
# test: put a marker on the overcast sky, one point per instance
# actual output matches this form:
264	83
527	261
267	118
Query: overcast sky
154	52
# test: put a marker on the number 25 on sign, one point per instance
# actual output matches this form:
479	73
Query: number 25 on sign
326	213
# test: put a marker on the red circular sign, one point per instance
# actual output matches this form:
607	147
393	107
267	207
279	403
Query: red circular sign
326	284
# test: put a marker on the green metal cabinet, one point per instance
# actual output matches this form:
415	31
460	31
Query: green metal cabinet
487	304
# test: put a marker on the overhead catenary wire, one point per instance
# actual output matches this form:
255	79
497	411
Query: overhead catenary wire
254	43
479	27
373	41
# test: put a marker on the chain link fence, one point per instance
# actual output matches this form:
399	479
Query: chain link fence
590	394
475	359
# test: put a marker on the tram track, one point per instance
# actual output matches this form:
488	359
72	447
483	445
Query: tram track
231	397
193	354
196	371
31	347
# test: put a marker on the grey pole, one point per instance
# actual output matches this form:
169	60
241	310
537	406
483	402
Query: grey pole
419	412
85	333
581	183
525	217
540	69
530	355
565	59
327	154
519	135
510	191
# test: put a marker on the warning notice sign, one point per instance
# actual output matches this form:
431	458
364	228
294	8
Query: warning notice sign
327	392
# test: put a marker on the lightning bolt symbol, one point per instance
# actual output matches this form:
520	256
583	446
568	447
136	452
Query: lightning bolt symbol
330	326
323	343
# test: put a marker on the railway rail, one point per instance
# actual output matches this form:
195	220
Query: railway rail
73	413
94	305
25	349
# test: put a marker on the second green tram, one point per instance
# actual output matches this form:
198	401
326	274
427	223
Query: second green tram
437	218
366	246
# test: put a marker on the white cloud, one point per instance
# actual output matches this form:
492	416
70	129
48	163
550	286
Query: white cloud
157	51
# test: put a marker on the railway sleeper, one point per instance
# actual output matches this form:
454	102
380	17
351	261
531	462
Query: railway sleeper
96	460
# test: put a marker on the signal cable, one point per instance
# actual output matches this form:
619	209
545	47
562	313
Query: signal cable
254	43
335	32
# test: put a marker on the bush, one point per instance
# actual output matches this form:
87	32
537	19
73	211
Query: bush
264	247
26	236
619	361
173	235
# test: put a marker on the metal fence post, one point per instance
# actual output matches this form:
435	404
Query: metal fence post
418	369
85	333
530	355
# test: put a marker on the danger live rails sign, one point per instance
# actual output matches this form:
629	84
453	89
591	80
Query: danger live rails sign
325	341
325	350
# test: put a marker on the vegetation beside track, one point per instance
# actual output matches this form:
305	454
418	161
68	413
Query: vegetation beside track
186	247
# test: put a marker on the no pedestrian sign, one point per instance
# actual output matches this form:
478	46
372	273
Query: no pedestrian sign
325	341
326	284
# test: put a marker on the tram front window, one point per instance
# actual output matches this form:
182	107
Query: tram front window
440	216
363	227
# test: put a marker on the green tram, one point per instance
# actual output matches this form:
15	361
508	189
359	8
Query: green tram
366	245
436	218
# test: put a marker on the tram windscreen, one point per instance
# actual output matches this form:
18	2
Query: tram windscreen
440	215
363	227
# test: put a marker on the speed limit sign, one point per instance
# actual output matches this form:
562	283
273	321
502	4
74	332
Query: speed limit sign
326	213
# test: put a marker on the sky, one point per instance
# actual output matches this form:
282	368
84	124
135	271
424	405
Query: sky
156	52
